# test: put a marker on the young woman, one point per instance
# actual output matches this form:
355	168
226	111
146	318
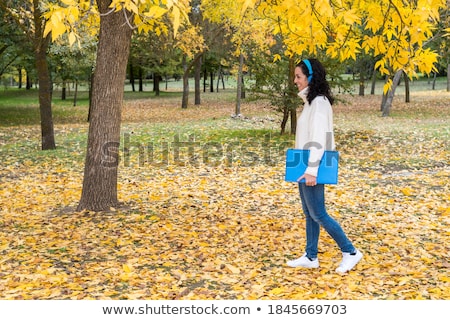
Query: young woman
315	132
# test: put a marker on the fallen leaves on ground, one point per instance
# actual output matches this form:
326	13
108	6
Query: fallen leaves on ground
225	231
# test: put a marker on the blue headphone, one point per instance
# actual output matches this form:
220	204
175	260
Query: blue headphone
310	71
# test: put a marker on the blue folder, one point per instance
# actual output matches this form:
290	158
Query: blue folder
297	162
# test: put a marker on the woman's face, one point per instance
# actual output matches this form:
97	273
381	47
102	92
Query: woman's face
300	80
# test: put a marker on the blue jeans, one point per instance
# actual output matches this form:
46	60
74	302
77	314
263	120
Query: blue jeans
313	204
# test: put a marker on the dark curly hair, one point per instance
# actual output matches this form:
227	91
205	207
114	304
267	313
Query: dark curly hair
318	86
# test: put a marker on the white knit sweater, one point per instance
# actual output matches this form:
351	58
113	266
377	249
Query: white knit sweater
315	130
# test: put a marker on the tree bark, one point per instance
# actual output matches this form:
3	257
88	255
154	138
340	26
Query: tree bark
197	77
20	77
131	75
211	82
141	79
45	83
64	90
99	191
75	95
187	67
284	120
391	93
239	85
407	91
185	98
361	84
448	77
156	83
292	88
374	81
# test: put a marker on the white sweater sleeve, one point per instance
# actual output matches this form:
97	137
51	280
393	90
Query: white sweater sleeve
320	133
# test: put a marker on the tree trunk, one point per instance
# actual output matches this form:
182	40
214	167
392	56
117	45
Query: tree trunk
293	120
448	77
292	91
211	81
391	93
29	83
197	76
433	87
63	90
131	75
45	83
284	120
20	77
219	78
99	191
374	81
156	84
205	77
384	97
239	85
187	67
361	84
141	79
407	91
185	99
75	95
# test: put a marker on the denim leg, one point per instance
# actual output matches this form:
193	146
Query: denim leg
313	203
312	229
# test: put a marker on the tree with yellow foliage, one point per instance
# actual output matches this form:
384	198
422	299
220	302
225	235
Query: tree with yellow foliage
394	31
116	20
27	15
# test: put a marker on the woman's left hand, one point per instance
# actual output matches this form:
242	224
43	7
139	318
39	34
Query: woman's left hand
309	179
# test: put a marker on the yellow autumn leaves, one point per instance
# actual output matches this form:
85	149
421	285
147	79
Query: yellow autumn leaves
394	31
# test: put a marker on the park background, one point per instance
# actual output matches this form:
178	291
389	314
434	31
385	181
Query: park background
204	212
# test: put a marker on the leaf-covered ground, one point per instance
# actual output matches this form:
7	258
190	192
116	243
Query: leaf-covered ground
216	220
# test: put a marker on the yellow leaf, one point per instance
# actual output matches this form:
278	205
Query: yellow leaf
156	12
72	38
407	191
176	20
276	291
233	269
127	268
276	58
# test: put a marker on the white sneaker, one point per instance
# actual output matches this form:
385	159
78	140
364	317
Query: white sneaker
349	261
304	262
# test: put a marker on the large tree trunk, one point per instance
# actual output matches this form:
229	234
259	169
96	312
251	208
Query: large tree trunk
45	82
100	173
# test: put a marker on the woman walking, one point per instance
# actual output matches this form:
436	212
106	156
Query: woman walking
315	132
